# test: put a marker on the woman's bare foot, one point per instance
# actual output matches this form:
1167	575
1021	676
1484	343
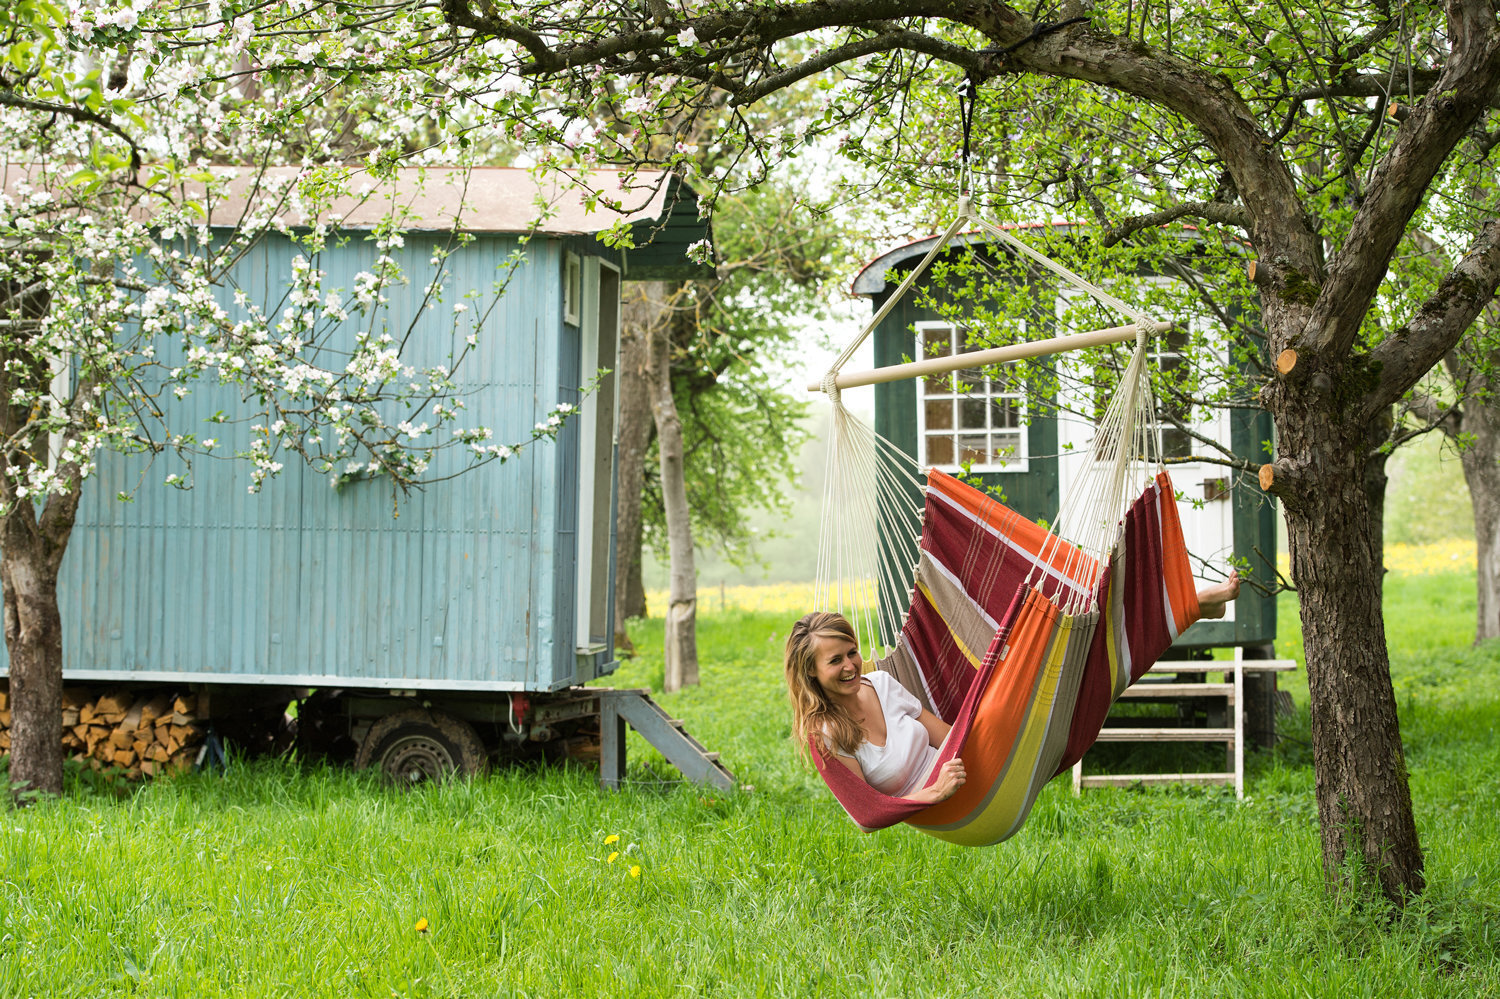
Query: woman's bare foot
1212	599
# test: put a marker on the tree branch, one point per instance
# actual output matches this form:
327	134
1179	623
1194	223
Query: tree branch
1468	84
1410	352
11	99
1209	211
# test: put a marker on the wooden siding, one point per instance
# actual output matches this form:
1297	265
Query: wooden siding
469	588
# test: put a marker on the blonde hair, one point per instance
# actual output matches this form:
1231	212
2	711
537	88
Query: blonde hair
814	713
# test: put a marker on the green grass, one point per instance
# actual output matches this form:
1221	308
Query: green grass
273	881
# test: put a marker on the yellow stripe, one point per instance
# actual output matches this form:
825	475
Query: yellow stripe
1010	798
968	652
1108	623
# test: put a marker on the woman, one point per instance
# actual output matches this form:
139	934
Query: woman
873	725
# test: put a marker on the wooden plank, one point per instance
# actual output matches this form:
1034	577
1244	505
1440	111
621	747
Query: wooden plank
1222	666
1180	690
1166	735
1125	780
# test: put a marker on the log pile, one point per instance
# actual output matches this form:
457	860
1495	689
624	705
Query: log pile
152	734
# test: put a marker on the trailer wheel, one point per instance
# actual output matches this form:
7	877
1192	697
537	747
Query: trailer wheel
417	745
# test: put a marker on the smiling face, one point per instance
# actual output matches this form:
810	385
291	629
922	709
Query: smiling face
837	665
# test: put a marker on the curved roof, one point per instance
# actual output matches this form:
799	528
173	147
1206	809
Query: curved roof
871	280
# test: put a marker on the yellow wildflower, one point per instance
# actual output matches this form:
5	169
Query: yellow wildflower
611	838
422	925
611	858
635	871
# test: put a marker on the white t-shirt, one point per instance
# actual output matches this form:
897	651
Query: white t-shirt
903	763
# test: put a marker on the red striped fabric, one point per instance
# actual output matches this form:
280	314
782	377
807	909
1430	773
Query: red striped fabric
1025	686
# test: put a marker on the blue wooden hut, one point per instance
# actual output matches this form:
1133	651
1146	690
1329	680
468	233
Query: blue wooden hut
487	598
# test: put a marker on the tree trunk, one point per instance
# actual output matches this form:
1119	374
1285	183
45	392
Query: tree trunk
636	427
680	644
33	639
1480	455
1325	477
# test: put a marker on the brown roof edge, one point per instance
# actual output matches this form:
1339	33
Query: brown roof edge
475	199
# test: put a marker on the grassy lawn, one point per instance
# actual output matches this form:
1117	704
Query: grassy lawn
272	881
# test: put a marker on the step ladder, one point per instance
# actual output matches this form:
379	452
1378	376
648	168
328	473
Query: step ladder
1233	735
618	708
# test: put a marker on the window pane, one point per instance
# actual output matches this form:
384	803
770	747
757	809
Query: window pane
972	377
937	342
939	414
971	414
940	450
1175	443
1005	414
937	384
973	448
1005	447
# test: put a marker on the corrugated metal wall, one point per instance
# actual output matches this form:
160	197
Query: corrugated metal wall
468	587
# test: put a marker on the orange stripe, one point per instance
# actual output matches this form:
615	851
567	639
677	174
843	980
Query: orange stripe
1001	714
1026	534
1182	589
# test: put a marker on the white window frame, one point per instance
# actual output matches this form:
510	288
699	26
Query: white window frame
1018	464
572	289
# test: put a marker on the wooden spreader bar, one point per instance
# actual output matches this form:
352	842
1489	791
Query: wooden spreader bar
995	355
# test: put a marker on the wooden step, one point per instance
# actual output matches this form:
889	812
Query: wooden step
1148	689
667	734
1166	735
1125	780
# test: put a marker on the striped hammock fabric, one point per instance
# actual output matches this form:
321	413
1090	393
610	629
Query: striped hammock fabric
990	646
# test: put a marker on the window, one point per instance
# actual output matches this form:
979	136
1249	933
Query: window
572	289
965	417
1168	357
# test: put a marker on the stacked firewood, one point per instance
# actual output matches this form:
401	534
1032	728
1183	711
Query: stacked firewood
151	734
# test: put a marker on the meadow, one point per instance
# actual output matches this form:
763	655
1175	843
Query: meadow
279	880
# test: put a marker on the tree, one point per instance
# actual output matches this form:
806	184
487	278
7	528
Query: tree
1464	405
728	337
1227	85
113	303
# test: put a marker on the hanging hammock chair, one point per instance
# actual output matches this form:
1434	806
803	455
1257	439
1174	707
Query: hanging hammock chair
1017	638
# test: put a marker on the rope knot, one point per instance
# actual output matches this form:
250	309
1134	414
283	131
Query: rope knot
830	385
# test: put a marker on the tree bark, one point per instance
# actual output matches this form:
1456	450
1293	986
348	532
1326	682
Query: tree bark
1478	430
1481	461
29	562
1326	479
636	428
680	643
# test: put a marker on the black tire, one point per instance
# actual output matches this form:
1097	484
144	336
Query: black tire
416	745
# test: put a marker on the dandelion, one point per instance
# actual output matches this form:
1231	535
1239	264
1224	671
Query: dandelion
422	925
635	871
611	838
611	858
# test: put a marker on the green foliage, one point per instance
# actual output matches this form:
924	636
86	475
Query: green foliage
1427	499
742	422
270	880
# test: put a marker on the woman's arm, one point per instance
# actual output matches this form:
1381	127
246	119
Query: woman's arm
937	729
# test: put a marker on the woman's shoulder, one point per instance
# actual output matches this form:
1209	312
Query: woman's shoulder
892	695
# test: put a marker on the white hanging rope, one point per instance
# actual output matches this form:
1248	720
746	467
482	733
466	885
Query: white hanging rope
873	492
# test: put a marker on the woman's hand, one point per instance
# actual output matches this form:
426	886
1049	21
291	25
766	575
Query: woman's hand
949	779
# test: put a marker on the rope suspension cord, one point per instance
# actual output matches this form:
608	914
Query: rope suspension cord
873	491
